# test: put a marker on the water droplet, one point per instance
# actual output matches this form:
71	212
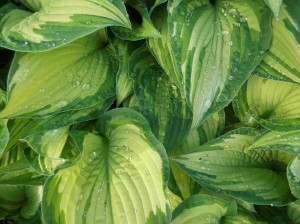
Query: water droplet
262	52
225	32
230	78
129	158
85	86
232	11
243	19
237	24
25	44
88	22
61	104
230	43
206	103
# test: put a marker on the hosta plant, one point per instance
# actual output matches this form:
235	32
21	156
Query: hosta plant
157	111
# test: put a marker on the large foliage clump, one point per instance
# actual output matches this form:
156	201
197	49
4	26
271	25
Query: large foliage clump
182	111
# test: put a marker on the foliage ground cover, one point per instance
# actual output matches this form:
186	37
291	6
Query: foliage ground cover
150	111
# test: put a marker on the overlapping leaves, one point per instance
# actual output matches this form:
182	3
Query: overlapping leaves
185	146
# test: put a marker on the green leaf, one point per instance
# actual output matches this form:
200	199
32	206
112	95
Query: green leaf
228	164
272	104
71	117
16	170
76	76
2	99
275	6
161	47
35	5
285	142
142	26
49	143
23	201
294	212
281	61
46	151
209	130
57	23
203	209
121	176
124	86
159	100
217	59
174	199
157	3
241	217
4	136
272	214
131	102
48	165
21	128
293	174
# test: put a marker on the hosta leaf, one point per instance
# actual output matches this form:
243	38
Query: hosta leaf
49	143
161	47
18	128
124	86
48	165
174	199
43	164
159	100
4	136
21	128
142	26
216	59
35	5
275	6
281	61
228	165
287	142
209	130
293	174
157	3
46	149
241	217
71	117
131	102
16	170
272	104
272	214
121	176
294	212
203	209
20	200
57	23
2	99
73	77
